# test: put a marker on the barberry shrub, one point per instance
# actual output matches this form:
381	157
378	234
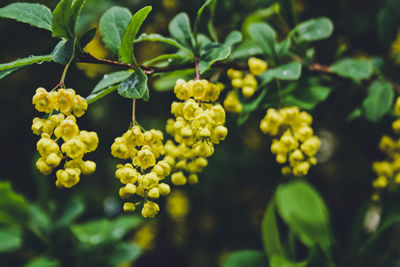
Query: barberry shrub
255	105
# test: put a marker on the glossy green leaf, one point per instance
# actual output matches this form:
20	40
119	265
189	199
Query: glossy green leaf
378	101
104	231
289	71
135	86
11	239
352	68
87	38
65	16
64	51
260	15
199	15
356	113
245	50
278	261
166	60
123	253
40	222
313	30
270	233
34	14
179	29
282	48
43	262
308	96
8	68
13	207
212	53
155	37
233	38
106	85
73	209
126	53
304	211
167	81
264	36
112	27
246	258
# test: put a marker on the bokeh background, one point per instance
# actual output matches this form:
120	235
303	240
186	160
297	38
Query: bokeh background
198	225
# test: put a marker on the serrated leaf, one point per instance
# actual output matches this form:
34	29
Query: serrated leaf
356	69
264	36
8	68
11	239
87	38
13	207
107	85
155	37
313	30
233	38
212	53
135	86
34	14
270	234
304	211
43	262
65	16
105	231
167	81
179	29
113	25
379	100
124	252
126	53
246	258
289	71
64	51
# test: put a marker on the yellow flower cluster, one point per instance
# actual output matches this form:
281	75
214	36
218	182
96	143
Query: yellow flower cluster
144	174
197	127
63	125
388	171
296	143
246	81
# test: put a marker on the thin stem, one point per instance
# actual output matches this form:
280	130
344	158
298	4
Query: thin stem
62	84
196	65
134	110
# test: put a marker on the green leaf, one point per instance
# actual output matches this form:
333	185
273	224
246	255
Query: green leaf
64	51
43	262
307	97
248	108
167	81
304	211
179	29
13	207
379	100
155	37
34	14
289	71
11	239
313	30
135	86
356	69
246	258
126	53
212	53
245	50
282	48
105	86
277	261
7	68
65	16
270	233
123	253
388	21
40	222
112	27
260	15
104	231
72	210
233	38
87	38
199	14
264	36
166	60
356	113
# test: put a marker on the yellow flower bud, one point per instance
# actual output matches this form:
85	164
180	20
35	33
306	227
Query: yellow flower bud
193	178
257	66
153	193
145	158
129	207
68	177
178	178
150	209
164	189
88	167
43	167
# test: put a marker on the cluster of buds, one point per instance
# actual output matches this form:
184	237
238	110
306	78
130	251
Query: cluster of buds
63	125
142	176
294	142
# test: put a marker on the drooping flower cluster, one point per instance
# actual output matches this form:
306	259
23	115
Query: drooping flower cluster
388	171
63	125
197	127
143	175
295	143
247	82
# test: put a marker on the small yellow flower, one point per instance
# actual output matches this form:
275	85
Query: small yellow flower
150	209
145	158
257	66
